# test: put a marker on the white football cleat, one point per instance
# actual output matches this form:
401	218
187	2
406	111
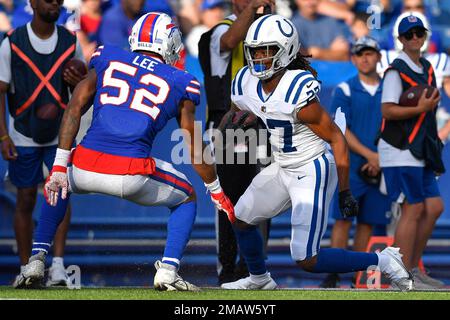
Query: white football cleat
57	276
33	274
391	264
249	284
167	279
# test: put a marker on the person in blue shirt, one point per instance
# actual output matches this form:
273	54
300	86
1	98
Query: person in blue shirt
359	98
118	21
325	38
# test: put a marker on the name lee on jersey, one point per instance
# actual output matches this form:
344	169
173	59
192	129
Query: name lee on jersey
145	63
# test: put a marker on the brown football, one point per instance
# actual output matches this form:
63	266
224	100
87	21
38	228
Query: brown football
48	111
77	64
410	97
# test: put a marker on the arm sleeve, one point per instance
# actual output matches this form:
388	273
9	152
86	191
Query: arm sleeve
392	87
237	91
5	61
97	58
305	92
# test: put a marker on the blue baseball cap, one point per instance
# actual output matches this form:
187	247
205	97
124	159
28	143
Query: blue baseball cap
209	4
410	22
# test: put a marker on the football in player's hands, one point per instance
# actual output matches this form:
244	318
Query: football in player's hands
410	97
347	204
238	120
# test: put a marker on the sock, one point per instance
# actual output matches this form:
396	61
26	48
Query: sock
251	246
179	229
333	260
48	222
58	261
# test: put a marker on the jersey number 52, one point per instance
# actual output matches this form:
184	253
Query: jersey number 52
137	102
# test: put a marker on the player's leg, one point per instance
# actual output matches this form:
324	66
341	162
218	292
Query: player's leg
49	220
310	205
264	198
339	239
167	187
57	275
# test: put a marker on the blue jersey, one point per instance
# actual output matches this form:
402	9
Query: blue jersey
136	96
363	116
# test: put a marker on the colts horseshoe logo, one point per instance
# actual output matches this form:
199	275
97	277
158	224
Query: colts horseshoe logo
286	34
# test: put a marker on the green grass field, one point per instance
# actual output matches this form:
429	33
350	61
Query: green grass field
215	294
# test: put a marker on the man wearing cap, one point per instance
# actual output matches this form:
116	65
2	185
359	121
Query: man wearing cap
360	100
409	148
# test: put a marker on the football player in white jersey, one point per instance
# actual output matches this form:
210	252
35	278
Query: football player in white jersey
281	88
439	61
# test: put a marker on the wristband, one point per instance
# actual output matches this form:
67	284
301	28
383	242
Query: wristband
214	187
61	158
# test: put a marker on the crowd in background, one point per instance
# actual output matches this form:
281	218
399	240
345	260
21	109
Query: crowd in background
326	27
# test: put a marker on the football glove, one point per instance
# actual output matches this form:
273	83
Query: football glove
224	204
347	204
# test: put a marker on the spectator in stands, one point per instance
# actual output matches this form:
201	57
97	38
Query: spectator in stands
410	150
360	100
6	6
117	23
359	26
212	12
221	55
435	38
324	37
90	19
30	53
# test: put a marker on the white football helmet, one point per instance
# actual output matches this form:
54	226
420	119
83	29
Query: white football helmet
271	32
156	32
398	44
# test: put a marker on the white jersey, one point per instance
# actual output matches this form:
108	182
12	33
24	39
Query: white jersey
439	61
293	143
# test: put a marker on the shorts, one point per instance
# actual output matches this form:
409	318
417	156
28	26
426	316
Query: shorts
165	187
415	183
26	171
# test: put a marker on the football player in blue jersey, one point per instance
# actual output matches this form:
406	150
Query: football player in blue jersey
135	94
281	88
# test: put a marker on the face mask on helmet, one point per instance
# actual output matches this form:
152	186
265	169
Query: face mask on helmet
264	60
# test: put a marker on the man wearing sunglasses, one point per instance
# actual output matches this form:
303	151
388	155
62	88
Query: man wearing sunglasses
31	62
409	148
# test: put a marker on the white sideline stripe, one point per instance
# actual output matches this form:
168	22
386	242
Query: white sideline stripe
192	243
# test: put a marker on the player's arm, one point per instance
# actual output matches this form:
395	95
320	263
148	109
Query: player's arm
187	122
317	119
206	171
70	124
82	95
